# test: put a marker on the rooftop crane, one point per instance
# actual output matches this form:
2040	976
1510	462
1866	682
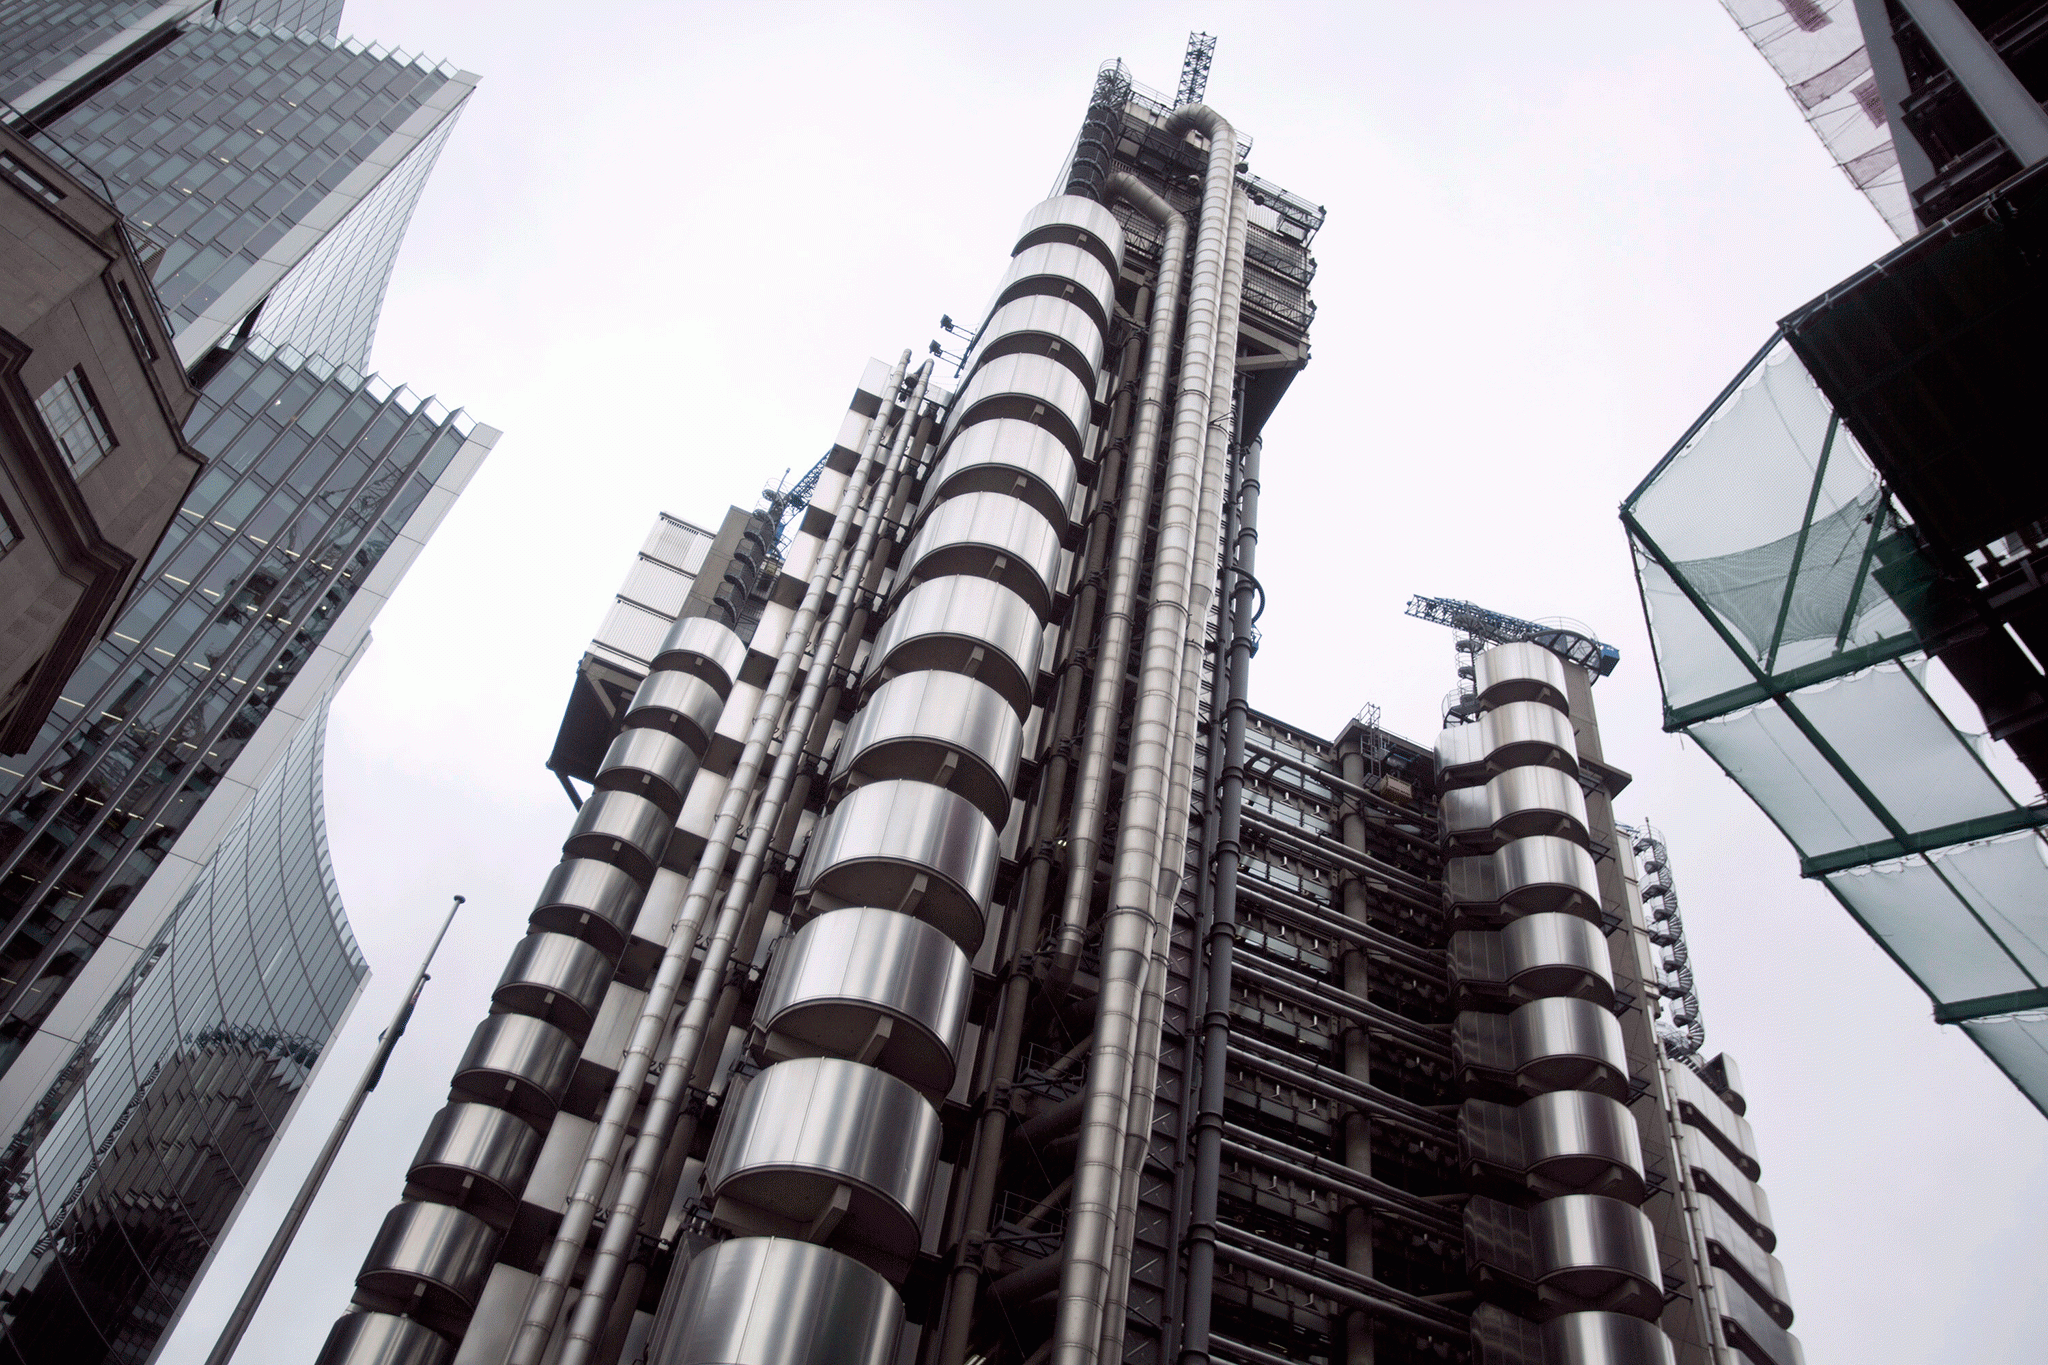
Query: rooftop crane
1573	646
1194	68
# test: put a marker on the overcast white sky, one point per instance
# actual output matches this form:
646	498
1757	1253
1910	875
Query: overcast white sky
666	236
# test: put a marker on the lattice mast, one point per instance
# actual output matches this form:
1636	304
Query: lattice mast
1194	68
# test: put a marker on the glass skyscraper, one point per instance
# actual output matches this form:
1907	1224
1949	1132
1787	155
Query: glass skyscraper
278	162
132	1163
163	993
316	473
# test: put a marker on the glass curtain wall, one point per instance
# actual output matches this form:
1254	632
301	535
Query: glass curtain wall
315	470
228	136
131	1166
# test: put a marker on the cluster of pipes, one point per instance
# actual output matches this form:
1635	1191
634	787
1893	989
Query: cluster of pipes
1547	1127
821	1169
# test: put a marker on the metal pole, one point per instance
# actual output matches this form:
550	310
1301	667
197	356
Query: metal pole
273	1256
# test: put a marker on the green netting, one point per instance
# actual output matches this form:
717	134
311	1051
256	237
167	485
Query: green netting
1692	660
1748	586
2019	1044
1743	477
1785	597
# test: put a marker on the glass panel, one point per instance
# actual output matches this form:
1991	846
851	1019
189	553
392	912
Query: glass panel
1894	739
2019	1044
1968	922
1783	773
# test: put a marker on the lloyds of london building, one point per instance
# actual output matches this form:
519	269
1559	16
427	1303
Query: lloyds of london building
946	965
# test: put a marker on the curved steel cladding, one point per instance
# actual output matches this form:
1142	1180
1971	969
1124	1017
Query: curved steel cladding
895	434
421	1279
1549	1143
835	1143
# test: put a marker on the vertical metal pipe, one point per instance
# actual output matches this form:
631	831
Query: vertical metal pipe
1198	984
1201	1249
1357	1054
586	1324
1217	470
1127	926
1113	646
544	1303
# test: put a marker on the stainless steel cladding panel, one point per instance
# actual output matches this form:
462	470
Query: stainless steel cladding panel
1029	388
1535	801
1521	733
1066	272
619	827
1544	872
1520	672
828	1150
557	978
1600	1250
874	986
681	703
1576	1140
1557	954
886	838
1706	1111
1009	457
1720	1180
517	1063
937	727
1464	811
768	1301
988	535
1604	1339
593	900
1042	325
702	647
649	762
1461	754
965	625
1070	218
362	1338
1514	735
431	1252
1734	1250
1569	1045
1751	1328
478	1156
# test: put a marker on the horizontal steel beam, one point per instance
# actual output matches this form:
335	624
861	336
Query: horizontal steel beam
1990	1006
1925	841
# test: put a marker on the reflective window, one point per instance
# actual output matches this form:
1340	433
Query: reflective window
249	578
76	423
128	1168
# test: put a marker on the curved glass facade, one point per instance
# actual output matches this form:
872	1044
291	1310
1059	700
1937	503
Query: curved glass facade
131	1166
315	473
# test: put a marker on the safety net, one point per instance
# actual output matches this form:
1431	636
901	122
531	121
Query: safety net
1817	49
1788	609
